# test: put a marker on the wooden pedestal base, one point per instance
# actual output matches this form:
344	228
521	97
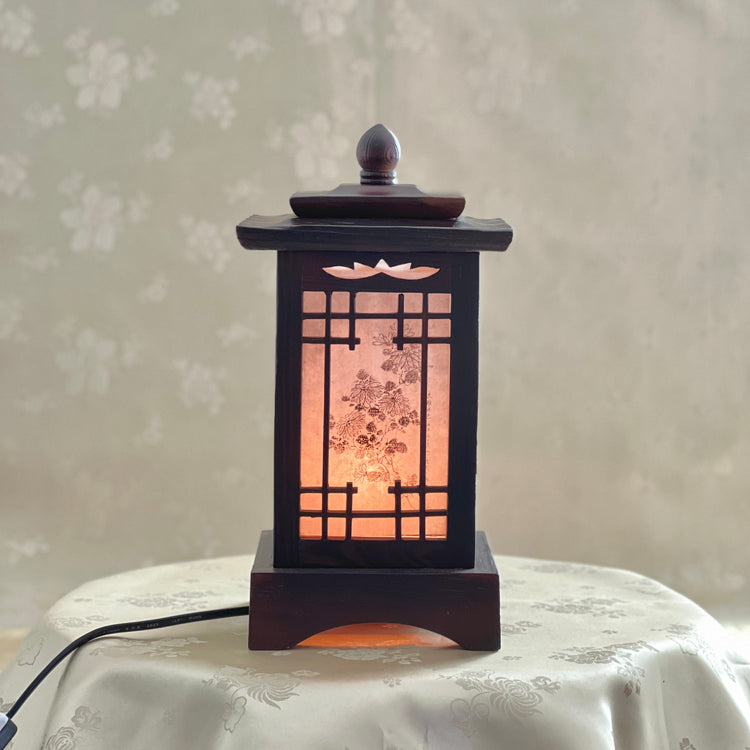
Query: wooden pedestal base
288	605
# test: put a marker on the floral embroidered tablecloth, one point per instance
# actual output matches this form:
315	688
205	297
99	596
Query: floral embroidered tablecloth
592	658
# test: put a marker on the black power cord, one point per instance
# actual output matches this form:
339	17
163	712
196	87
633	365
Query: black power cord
8	728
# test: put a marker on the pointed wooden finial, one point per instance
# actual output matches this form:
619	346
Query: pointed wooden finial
378	152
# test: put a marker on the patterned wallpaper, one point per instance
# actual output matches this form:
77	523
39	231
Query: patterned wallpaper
136	336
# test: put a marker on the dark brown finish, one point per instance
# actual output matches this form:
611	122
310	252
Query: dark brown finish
288	232
377	202
445	582
378	152
288	605
378	196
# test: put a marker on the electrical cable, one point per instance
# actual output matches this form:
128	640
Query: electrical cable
8	729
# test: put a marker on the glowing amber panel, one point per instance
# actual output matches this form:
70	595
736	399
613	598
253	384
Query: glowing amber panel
380	420
311	422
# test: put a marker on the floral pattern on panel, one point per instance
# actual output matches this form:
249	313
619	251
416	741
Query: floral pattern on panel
68	737
594	606
513	698
240	685
620	654
370	430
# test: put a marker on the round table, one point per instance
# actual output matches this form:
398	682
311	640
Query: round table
592	658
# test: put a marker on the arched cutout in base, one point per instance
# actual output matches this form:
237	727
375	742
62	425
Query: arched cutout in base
377	635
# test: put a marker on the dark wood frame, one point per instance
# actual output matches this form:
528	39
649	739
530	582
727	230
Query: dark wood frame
449	587
459	275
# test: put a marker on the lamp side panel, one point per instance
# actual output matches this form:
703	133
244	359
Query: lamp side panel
464	406
287	415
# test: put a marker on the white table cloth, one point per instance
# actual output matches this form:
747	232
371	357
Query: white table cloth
592	658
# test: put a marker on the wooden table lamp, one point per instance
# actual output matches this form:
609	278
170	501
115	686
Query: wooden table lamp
376	413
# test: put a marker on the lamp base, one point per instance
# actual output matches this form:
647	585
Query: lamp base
288	605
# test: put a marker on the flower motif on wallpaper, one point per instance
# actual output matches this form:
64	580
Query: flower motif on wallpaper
212	98
138	207
321	20
10	318
237	332
90	360
14	177
244	191
317	148
164	7
253	45
96	220
206	242
152	434
103	72
156	290
410	30
40	261
16	30
24	549
200	385
98	214
501	73
34	403
41	118
162	148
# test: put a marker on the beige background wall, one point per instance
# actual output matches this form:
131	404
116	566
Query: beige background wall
136	337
